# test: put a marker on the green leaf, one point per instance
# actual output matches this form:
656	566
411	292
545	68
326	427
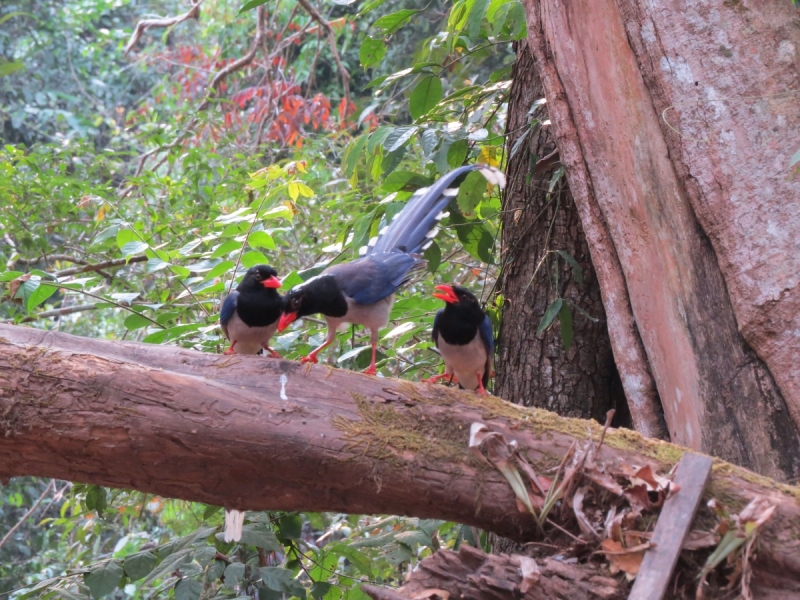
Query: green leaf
399	136
351	154
104	579
565	321
251	5
253	258
475	18
226	248
219	269
9	275
139	565
126	235
7	68
168	565
372	52
234	573
388	24
352	353
261	239
457	153
135	321
210	511
549	315
369	7
470	193
67	595
425	96
290	526
474	236
795	159
189	589
407	181
96	499
576	268
39	295
319	589
255	534
27	288
155	264
134	247
276	578
434	257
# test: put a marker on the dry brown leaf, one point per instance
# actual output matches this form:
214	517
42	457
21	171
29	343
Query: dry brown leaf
587	530
629	561
697	540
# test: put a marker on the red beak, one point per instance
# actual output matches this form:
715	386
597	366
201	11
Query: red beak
273	283
286	320
448	294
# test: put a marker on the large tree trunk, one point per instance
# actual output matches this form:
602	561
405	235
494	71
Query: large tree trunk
536	370
697	208
258	434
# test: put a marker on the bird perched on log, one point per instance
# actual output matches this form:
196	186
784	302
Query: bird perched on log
249	318
362	291
249	315
463	335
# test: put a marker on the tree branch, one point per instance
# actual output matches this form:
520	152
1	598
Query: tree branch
345	74
117	262
295	437
24	518
146	24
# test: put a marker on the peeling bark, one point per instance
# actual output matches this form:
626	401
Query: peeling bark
717	395
535	370
469	573
261	434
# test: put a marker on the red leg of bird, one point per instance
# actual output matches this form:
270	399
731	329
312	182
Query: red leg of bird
481	389
371	370
271	352
230	350
312	357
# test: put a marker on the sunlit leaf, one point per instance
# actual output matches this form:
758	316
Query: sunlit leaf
426	95
372	52
253	258
388	24
261	239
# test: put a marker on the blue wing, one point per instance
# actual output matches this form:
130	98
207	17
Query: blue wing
228	308
487	336
372	278
435	330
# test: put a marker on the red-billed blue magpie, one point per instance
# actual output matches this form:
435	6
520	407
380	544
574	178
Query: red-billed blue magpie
463	335
362	291
249	315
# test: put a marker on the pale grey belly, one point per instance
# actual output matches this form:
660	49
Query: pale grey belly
373	316
249	340
467	362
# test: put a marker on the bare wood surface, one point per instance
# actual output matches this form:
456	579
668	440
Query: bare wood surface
673	524
471	573
253	433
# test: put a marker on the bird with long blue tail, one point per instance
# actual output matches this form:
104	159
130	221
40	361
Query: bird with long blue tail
362	291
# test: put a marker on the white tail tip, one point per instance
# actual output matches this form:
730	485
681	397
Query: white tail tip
493	176
234	521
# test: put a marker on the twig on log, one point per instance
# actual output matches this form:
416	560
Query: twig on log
58	312
146	24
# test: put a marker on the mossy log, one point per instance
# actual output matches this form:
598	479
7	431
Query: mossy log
253	433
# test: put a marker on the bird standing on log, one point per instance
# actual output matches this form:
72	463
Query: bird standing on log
249	315
249	318
463	335
362	291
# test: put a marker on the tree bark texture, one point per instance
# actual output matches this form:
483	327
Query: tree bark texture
262	434
535	370
470	573
690	220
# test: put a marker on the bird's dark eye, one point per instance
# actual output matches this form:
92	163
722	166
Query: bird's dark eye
295	303
257	276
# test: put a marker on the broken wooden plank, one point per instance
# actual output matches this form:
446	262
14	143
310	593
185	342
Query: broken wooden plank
671	529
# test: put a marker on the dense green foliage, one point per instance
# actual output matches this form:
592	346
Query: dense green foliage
128	160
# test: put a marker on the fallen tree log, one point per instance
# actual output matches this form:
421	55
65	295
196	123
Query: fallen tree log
263	434
470	573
